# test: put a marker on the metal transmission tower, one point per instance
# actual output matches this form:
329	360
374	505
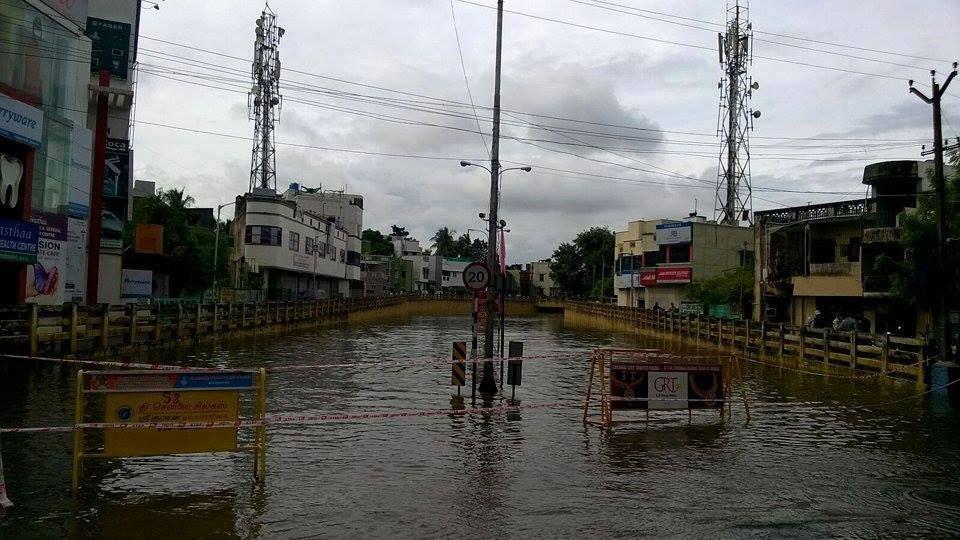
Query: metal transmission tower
734	201
264	101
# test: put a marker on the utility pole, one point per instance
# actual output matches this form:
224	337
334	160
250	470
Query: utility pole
939	186
96	189
488	385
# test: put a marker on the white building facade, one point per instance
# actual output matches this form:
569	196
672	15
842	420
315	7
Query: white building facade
288	253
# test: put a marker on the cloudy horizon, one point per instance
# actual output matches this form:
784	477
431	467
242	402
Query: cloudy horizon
644	143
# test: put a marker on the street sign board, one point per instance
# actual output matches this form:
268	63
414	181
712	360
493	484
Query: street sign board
476	276
172	407
665	386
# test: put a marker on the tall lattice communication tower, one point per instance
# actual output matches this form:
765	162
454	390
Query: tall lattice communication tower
264	101
734	201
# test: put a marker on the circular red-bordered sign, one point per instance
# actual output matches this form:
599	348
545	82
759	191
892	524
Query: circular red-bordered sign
476	276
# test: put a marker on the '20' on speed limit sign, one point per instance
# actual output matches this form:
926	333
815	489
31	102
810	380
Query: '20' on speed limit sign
476	276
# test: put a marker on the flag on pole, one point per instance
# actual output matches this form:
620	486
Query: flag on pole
503	253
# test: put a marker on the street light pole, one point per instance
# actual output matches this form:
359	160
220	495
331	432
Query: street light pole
488	385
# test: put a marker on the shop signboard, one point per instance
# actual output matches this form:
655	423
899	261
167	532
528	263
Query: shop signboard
20	122
648	278
674	274
148	239
666	386
111	46
18	241
673	233
45	276
136	283
691	308
75	277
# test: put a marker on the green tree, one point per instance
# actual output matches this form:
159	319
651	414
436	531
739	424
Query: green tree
912	277
474	249
188	250
375	243
733	287
585	266
444	242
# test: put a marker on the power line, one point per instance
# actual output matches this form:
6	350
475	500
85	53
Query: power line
455	103
682	44
582	2
466	80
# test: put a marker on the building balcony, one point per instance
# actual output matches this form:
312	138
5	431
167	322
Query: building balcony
880	235
877	285
830	285
835	269
622	281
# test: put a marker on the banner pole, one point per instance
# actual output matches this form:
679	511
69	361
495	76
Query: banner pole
78	433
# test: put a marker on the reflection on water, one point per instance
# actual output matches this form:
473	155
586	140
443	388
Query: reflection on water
814	460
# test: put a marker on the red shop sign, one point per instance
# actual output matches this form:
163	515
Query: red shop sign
674	275
648	278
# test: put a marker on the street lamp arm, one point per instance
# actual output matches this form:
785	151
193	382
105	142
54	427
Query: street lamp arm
524	169
920	95
470	164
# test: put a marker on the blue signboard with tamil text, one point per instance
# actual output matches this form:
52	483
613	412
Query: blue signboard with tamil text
18	241
215	380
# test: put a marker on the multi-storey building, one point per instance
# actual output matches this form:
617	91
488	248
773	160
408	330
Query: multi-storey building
822	258
46	143
286	252
347	212
656	260
422	266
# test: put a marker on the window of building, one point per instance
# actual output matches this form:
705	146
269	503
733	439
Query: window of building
309	245
294	241
263	235
540	277
680	253
343	255
853	249
651	258
746	258
822	251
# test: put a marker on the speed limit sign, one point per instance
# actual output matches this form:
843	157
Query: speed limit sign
476	276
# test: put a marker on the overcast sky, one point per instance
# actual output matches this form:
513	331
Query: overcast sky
550	69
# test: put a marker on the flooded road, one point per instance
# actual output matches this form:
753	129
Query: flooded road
819	458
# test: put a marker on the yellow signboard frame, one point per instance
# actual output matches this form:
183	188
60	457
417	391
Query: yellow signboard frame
170	397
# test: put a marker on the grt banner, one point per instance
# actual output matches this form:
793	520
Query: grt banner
665	386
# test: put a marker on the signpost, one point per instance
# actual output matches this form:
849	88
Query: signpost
515	367
476	276
186	400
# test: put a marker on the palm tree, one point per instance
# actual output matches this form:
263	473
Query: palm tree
177	199
444	243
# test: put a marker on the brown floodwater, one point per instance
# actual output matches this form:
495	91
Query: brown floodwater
820	456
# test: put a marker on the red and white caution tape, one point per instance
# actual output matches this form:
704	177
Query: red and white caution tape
293	419
404	362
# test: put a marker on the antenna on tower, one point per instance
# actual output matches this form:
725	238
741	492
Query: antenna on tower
734	201
264	102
